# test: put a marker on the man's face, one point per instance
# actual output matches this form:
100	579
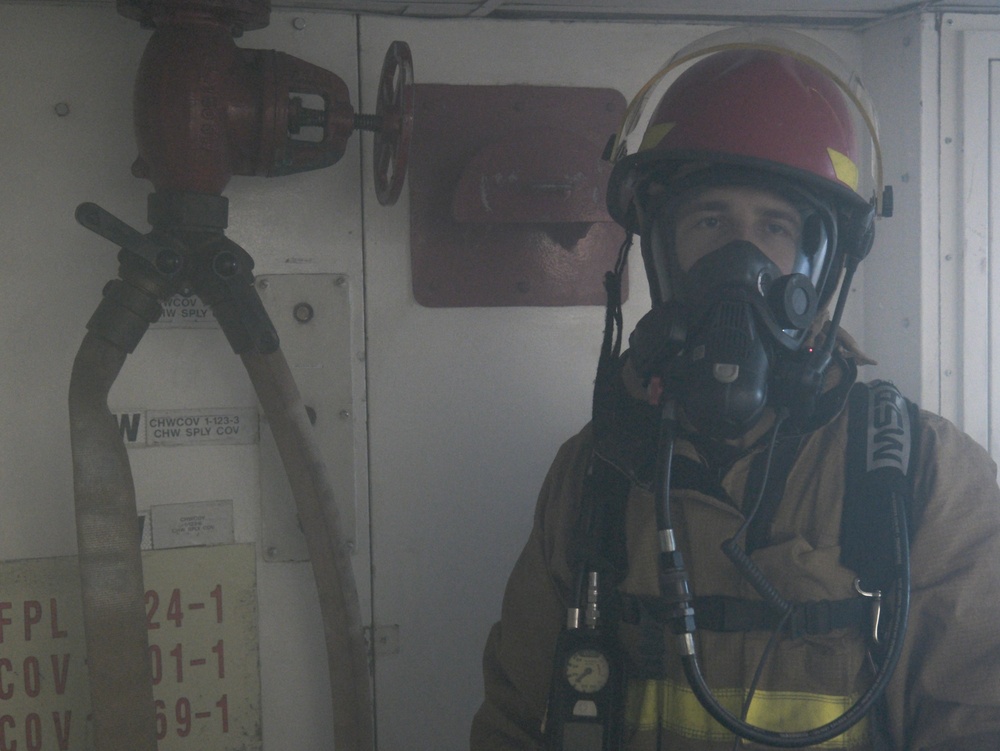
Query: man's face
715	216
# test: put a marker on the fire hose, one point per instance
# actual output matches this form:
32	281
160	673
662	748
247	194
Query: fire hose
191	57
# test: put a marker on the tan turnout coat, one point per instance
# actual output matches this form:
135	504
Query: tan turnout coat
945	693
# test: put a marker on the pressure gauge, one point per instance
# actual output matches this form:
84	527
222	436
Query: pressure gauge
586	707
587	670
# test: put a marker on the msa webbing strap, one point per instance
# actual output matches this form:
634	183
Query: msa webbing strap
889	431
881	446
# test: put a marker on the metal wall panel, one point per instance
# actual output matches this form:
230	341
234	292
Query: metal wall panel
899	327
969	317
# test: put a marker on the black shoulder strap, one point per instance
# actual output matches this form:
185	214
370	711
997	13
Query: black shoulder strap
882	446
598	542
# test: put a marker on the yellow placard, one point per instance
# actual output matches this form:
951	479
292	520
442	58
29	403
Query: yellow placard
201	616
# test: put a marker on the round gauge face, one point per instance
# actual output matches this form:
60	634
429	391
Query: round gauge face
587	670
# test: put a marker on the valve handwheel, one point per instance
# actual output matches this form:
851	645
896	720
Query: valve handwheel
394	113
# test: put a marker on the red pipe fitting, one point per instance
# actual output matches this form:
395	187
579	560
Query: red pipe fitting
206	110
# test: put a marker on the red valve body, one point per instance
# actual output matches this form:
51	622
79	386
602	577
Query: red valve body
206	110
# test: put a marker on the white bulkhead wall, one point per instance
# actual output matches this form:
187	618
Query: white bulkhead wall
901	290
456	412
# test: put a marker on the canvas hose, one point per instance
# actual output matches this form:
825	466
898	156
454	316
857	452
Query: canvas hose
347	652
113	596
110	561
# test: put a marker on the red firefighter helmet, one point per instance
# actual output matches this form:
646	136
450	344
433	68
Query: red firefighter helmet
779	108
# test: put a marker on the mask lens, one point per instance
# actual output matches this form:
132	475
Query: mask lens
661	243
691	216
815	249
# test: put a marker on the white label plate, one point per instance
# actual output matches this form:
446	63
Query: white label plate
180	525
189	427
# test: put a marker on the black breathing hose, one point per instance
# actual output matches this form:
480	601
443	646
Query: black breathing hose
675	590
861	707
750	571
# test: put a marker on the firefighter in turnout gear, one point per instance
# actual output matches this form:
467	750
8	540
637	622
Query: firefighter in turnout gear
747	547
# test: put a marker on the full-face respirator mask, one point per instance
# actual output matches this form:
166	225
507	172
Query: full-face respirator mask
727	334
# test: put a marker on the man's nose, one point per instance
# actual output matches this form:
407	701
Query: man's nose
742	230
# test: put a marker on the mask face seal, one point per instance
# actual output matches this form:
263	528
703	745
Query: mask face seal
744	319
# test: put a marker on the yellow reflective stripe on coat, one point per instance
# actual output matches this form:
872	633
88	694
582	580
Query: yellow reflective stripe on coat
678	710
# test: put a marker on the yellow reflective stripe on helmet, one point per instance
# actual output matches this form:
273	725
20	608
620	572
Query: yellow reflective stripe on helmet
653	135
845	169
678	710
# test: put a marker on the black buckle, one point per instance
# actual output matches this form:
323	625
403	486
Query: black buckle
811	619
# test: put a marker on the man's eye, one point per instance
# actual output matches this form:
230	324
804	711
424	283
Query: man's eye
708	222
